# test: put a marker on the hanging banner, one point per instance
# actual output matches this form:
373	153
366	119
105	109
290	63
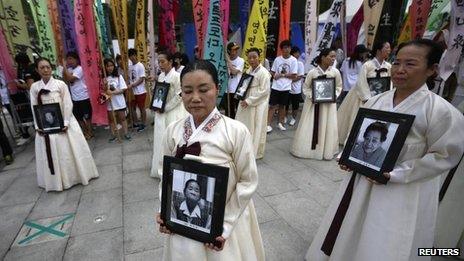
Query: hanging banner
214	46
140	35
12	20
119	12
243	11
325	38
225	19
385	28
67	24
44	30
105	43
191	39
353	29
272	29
199	16
343	27
435	21
455	41
152	57
406	30
90	57
310	29
256	30
167	32
284	25
419	13
56	25
372	13
6	63
297	36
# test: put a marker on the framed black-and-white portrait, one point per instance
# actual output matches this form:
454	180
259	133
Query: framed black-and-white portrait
49	118
160	94
243	85
323	90
378	85
193	198
375	142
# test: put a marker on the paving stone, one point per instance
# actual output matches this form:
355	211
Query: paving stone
264	212
281	242
98	211
104	245
139	186
52	204
302	213
139	145
108	155
22	190
281	144
275	134
7	178
21	160
110	176
137	162
140	229
271	183
327	168
47	251
282	162
11	220
149	255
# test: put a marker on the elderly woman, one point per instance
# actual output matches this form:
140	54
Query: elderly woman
371	221
253	109
370	149
63	159
192	210
225	142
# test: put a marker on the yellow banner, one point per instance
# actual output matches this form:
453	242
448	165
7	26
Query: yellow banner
256	33
372	14
119	12
406	30
140	34
14	24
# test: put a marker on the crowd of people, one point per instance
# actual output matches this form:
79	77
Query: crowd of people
375	226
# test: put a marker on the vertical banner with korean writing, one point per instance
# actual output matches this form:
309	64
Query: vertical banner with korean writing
372	13
105	43
387	22
243	9
6	62
213	49
199	16
419	13
310	29
256	29
284	24
12	20
167	32
406	30
44	29
353	30
119	12
272	29
68	28
90	56
435	21
455	41
325	38
225	19
140	35
56	26
152	58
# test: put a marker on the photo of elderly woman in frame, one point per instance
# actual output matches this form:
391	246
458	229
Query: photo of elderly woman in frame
323	90
243	85
160	94
378	85
49	117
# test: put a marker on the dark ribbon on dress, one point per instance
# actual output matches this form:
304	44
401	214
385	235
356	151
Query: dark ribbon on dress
192	149
46	136
447	182
334	229
315	127
379	71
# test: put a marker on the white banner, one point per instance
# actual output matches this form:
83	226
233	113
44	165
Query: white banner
310	30
455	42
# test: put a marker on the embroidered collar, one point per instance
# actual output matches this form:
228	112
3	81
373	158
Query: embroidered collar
196	213
207	125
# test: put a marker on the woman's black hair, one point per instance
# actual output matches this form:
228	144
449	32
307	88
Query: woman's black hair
204	65
434	50
357	55
41	59
190	181
253	49
74	55
22	58
378	46
324	52
115	72
377	126
169	57
184	60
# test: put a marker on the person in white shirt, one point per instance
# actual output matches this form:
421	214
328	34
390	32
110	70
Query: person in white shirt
351	67
137	85
235	64
82	109
284	70
295	93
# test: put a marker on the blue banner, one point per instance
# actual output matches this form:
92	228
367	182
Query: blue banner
190	39
244	9
297	36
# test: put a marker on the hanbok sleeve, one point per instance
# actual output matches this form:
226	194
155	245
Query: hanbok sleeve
167	149
307	85
247	180
338	82
362	88
175	98
445	146
66	102
264	88
33	98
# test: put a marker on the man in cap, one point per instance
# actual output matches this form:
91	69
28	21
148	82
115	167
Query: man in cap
235	65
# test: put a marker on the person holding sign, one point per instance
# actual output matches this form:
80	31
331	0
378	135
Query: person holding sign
173	109
253	109
316	135
209	137
361	92
370	221
63	159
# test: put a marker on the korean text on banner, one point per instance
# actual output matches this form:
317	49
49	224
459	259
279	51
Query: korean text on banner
68	27
256	29
167	35
12	20
419	13
310	29
56	25
199	16
152	57
44	29
284	25
119	12
372	13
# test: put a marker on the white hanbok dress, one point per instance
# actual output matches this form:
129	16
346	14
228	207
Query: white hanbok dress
255	115
173	110
327	144
72	160
224	142
390	222
355	97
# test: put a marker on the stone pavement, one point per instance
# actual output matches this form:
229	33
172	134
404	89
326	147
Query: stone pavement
113	217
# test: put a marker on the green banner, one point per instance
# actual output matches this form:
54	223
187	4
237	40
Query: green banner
100	21
14	25
435	21
44	29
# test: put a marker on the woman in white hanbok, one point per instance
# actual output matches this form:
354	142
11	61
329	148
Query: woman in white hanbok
390	222
253	109
361	92
70	157
173	110
324	145
225	142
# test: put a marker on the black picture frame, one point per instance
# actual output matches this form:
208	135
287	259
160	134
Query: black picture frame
48	118
384	155
323	90
243	86
378	85
159	96
211	203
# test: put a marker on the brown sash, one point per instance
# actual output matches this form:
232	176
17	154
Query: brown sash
315	127
46	136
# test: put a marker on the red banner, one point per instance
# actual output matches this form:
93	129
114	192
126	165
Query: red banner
353	30
55	20
90	56
167	32
6	63
225	19
419	13
284	26
199	16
